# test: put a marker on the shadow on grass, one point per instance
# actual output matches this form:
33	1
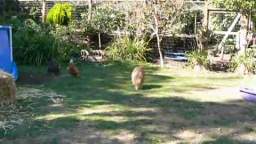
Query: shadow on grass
145	117
148	87
227	140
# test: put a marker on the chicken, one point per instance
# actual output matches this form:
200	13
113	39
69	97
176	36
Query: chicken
72	69
137	77
53	67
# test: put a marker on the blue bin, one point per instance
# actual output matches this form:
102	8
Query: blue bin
7	63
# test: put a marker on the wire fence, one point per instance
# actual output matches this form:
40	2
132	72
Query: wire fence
179	43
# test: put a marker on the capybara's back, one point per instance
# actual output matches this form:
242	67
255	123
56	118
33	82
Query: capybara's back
138	77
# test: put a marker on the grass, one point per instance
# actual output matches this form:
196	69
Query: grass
175	106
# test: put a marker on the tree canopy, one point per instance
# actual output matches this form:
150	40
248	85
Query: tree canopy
236	4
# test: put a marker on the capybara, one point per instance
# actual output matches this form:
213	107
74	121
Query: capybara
138	77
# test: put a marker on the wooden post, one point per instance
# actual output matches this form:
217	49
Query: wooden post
206	15
99	39
90	9
195	25
243	33
156	30
237	40
43	10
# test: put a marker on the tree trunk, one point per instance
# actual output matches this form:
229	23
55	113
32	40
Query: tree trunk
90	9
99	38
156	31
243	41
43	10
243	34
160	51
206	15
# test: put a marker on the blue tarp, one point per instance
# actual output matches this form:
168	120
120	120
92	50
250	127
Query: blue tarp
7	63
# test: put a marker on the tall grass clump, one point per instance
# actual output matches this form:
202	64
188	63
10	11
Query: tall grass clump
197	58
127	49
32	42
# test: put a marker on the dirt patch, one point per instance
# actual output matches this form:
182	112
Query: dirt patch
32	78
82	134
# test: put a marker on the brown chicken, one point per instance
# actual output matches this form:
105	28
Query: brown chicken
137	77
72	69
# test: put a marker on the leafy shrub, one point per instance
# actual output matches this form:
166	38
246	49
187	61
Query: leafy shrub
35	43
9	8
197	58
69	42
32	43
103	20
127	49
60	13
248	61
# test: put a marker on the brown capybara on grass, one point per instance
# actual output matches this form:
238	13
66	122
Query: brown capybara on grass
138	77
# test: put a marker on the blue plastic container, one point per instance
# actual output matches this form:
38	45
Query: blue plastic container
248	94
7	63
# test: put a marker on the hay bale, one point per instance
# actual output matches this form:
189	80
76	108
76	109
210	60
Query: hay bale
7	88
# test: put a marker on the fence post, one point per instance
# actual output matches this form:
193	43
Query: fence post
43	10
90	9
206	15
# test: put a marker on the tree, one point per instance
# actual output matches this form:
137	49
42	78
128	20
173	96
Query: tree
9	8
163	18
244	7
103	20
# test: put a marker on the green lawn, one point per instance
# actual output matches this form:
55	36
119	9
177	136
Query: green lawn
175	106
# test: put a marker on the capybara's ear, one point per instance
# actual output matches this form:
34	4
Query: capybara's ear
137	77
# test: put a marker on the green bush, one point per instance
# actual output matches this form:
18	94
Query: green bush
60	13
32	43
9	8
35	43
197	58
248	60
103	20
69	41
127	49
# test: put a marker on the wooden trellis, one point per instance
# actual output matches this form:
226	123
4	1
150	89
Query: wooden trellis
241	41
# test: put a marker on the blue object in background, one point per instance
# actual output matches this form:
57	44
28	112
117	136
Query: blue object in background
7	63
176	56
